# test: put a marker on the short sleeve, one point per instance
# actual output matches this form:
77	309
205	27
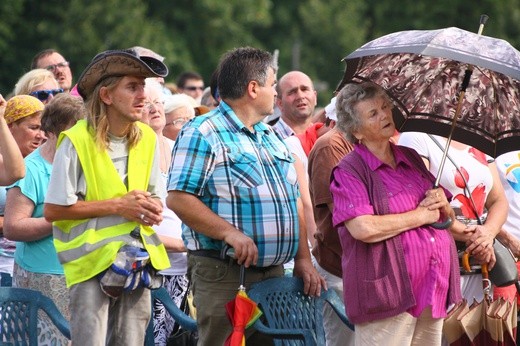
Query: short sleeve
192	163
28	185
66	185
417	141
350	197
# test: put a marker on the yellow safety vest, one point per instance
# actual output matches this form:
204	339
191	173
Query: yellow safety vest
88	247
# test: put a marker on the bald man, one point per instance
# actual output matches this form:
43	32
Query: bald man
296	101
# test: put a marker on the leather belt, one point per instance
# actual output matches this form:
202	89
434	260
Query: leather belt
218	255
215	254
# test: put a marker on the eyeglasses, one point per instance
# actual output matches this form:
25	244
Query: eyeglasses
155	104
179	123
43	95
193	88
60	65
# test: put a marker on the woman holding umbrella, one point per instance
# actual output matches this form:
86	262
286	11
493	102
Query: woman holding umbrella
399	273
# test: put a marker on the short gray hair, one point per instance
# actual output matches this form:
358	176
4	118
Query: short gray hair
349	121
152	83
176	101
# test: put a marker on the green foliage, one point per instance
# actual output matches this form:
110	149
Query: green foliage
202	30
313	36
310	35
387	16
335	29
9	12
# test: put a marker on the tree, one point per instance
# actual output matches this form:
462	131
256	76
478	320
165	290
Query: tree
202	30
311	35
386	17
12	44
78	29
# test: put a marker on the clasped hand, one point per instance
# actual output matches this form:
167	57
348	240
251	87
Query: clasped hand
139	206
435	205
480	244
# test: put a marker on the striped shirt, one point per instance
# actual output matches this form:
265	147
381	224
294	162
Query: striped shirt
426	250
283	129
245	177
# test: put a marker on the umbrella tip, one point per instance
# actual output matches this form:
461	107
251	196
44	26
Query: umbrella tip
483	19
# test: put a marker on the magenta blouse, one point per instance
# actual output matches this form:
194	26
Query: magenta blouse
426	250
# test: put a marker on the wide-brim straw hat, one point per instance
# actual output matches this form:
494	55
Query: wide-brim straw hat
21	106
118	63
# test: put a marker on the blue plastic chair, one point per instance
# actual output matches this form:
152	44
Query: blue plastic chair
6	280
19	316
289	315
178	315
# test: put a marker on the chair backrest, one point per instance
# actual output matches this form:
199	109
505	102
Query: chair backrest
178	315
19	316
6	280
286	307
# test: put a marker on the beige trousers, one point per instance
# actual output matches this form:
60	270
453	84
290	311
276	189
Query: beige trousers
97	320
401	330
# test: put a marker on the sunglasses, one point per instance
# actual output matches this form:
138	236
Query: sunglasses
193	88
43	95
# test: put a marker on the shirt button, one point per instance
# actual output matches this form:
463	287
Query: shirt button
390	194
351	205
432	239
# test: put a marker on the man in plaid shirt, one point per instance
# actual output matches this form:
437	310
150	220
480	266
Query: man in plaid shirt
232	182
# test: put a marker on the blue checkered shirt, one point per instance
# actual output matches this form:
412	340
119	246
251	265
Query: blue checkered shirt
247	178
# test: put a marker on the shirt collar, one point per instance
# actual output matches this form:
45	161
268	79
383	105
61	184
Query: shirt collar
228	112
374	163
284	128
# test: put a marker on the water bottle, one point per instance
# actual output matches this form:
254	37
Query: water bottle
121	275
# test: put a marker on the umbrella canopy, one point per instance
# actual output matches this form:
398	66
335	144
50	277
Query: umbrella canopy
449	43
423	71
242	313
485	323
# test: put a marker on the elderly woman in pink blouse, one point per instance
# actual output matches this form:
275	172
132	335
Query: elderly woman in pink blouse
399	273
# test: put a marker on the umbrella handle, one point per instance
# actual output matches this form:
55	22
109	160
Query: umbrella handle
442	225
242	278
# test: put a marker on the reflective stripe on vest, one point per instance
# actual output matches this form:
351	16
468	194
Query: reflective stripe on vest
87	247
72	247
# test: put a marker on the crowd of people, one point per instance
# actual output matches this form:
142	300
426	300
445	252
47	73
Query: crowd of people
123	182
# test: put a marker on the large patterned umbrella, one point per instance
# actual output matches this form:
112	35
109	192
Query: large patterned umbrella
426	71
